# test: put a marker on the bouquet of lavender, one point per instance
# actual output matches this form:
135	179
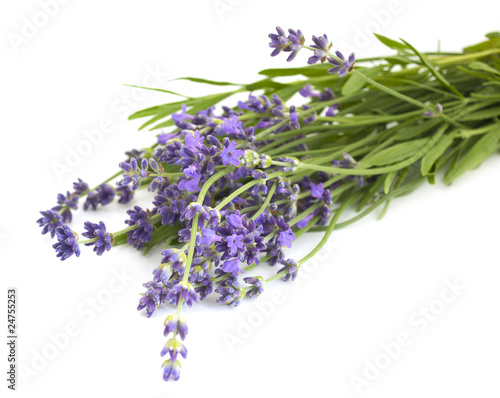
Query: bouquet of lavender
234	188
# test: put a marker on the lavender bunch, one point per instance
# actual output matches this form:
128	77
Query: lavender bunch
233	188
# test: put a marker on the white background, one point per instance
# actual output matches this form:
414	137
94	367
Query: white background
68	77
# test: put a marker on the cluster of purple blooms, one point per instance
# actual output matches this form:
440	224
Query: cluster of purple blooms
321	46
227	239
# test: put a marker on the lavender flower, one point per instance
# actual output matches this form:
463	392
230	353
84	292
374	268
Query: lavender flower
125	194
230	155
80	187
104	240
175	257
143	232
171	370
103	195
155	294
49	221
291	267
230	292
176	325
342	66
322	47
184	290
293	43
258	286
66	203
67	244
133	174
278	41
174	347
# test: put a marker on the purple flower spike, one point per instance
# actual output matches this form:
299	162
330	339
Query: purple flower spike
103	195
279	41
293	43
49	221
125	194
143	232
297	40
291	267
67	244
80	186
171	370
66	203
133	174
104	240
174	324
258	286
184	290
294	118
174	348
341	65
230	292
322	47
152	298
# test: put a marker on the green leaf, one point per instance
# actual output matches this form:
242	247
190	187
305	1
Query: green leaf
485	45
154	110
395	45
155	119
412	131
394	93
440	78
264	84
353	84
370	194
477	65
157	89
493	35
308	71
481	150
206	81
435	152
388	181
395	153
481	115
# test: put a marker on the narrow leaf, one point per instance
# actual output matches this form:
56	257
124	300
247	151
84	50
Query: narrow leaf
388	181
484	67
435	152
206	81
481	150
157	89
395	45
395	153
433	70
